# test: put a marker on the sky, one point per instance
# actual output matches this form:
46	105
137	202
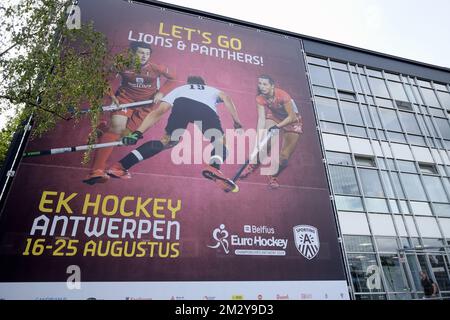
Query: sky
412	29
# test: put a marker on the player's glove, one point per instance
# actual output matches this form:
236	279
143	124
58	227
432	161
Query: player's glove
274	130
132	138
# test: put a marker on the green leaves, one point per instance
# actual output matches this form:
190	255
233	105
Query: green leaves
46	69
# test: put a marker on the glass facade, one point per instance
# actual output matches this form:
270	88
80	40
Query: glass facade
392	170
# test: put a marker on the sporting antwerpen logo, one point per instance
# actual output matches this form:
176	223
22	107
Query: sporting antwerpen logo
307	241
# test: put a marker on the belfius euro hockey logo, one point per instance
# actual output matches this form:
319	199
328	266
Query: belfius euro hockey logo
307	241
251	240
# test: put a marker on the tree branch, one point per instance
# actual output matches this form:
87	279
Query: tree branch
9	49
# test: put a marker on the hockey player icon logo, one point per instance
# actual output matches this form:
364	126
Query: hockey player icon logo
307	241
221	235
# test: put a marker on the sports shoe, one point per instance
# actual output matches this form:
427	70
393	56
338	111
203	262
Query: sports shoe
96	176
218	177
249	170
118	172
273	182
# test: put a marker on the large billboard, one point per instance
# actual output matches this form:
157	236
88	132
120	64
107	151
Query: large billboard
168	213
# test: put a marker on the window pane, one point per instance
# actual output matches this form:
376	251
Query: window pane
397	91
404	207
374	73
385	103
393	274
427	168
381	163
358	244
435	189
342	79
332	127
366	275
444	127
413	187
406	166
315	60
433	243
390	120
365	85
349	203
351	113
365	111
392	76
410	94
445	99
344	95
338	65
328	109
387	244
376	118
379	87
377	205
371	183
437	112
394	206
424	83
396	137
417	140
440	86
430	97
356	82
417	95
339	158
321	76
366	297
409	123
343	180
439	270
442	210
363	161
322	91
391	164
421	208
387	184
357	131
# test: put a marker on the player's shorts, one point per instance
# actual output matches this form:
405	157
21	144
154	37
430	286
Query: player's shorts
185	111
295	127
135	115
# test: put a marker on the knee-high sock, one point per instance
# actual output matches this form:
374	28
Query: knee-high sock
147	150
101	155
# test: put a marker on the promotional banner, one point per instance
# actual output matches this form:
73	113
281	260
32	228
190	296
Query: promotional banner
206	181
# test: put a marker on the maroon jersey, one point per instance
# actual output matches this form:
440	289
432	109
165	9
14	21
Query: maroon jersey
143	86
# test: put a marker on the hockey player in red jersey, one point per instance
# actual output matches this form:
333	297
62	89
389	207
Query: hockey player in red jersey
277	112
135	86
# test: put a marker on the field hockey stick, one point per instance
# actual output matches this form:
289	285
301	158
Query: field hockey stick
115	107
72	149
254	154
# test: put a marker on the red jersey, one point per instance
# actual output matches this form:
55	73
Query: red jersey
275	106
143	86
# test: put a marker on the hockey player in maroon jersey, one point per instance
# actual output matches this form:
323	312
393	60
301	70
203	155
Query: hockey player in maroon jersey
277	112
135	86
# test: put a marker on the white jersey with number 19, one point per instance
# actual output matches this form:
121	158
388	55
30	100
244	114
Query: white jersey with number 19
201	93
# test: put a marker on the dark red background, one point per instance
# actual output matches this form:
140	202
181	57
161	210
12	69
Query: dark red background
302	199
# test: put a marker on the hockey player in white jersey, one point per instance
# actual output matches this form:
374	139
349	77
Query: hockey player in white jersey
194	102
